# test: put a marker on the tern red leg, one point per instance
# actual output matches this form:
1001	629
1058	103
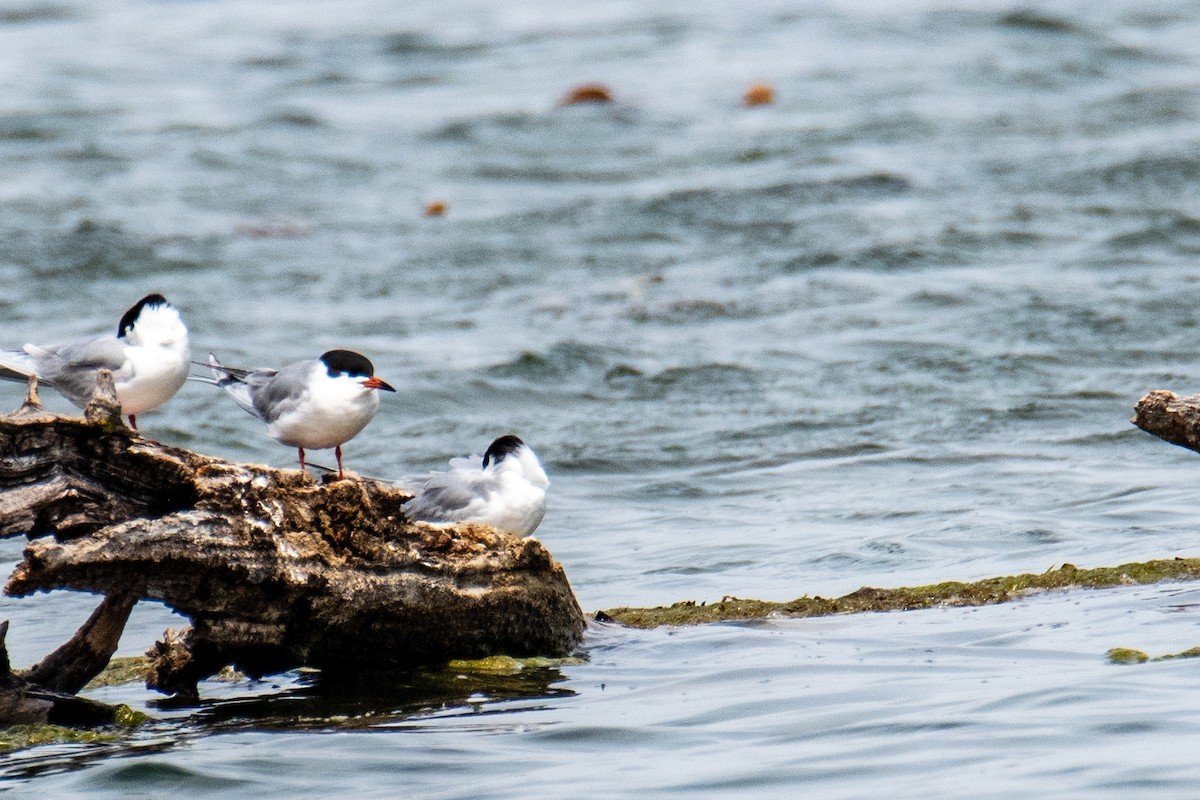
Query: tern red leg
301	449
133	421
337	451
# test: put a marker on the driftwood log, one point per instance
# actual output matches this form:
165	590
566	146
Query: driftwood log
1171	418
274	569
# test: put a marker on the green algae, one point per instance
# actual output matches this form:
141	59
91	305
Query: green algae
1126	655
128	717
120	671
939	595
1191	652
507	665
21	737
135	669
496	665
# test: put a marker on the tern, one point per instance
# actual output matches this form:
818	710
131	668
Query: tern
310	405
148	358
506	489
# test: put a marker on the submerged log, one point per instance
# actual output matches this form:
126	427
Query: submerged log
274	569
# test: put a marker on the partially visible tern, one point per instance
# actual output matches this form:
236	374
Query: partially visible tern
506	490
148	358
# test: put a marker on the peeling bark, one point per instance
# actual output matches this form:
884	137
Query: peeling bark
274	569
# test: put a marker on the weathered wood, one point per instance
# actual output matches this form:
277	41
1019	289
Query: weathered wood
1171	418
274	569
87	653
66	478
23	702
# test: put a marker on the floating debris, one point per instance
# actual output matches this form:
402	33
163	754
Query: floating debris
587	93
759	94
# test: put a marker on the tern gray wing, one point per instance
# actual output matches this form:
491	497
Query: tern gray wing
446	497
106	352
276	393
240	384
71	368
15	365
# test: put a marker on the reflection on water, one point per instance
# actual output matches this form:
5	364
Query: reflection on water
308	700
312	701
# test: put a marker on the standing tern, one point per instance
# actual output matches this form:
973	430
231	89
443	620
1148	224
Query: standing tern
315	404
148	358
506	490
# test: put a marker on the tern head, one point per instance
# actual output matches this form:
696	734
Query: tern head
353	365
501	448
510	450
153	321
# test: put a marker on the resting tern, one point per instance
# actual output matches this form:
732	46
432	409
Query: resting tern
315	404
148	358
506	490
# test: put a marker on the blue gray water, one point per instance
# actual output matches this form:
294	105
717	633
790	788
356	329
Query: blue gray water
884	332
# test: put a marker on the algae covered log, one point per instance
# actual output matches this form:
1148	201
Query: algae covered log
274	569
952	593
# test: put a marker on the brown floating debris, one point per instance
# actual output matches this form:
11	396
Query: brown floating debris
435	208
587	93
759	94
